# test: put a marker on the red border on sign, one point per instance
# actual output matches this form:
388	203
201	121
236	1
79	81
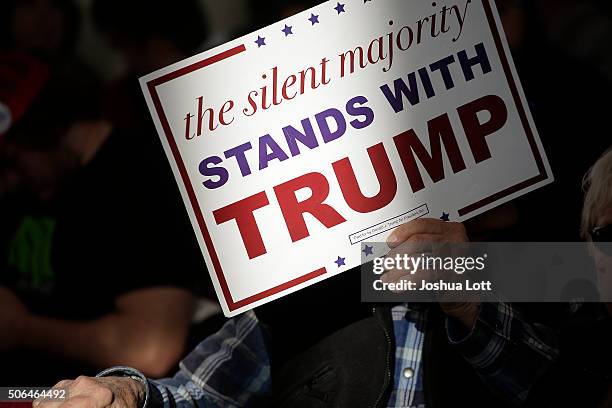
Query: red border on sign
152	86
524	121
233	305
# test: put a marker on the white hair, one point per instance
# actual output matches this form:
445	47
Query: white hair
597	186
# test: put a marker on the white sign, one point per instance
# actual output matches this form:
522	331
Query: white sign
294	144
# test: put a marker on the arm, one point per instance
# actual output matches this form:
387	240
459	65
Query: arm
148	331
509	353
229	369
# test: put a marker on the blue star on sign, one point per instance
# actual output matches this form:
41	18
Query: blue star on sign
314	19
368	250
340	8
340	261
287	30
445	216
260	41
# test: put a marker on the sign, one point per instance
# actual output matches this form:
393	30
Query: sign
293	144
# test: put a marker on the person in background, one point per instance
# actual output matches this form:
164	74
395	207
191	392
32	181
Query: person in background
171	31
597	229
597	220
48	29
37	39
521	363
585	336
95	268
167	34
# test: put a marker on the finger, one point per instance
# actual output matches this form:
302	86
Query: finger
90	388
421	226
401	285
63	384
450	231
80	401
42	403
46	404
406	256
39	403
416	245
403	272
414	274
394	275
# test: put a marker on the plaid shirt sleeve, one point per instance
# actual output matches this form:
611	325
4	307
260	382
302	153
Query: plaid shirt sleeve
228	369
507	352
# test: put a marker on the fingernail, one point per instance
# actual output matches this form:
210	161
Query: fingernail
392	240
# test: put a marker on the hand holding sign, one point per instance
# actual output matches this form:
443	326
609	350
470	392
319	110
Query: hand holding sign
420	236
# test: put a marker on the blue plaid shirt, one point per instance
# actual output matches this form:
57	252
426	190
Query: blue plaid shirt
231	368
409	328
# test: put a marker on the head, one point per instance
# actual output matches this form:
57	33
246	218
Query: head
36	171
36	156
597	218
151	34
46	28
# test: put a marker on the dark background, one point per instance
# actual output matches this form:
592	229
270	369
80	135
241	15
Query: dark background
90	54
